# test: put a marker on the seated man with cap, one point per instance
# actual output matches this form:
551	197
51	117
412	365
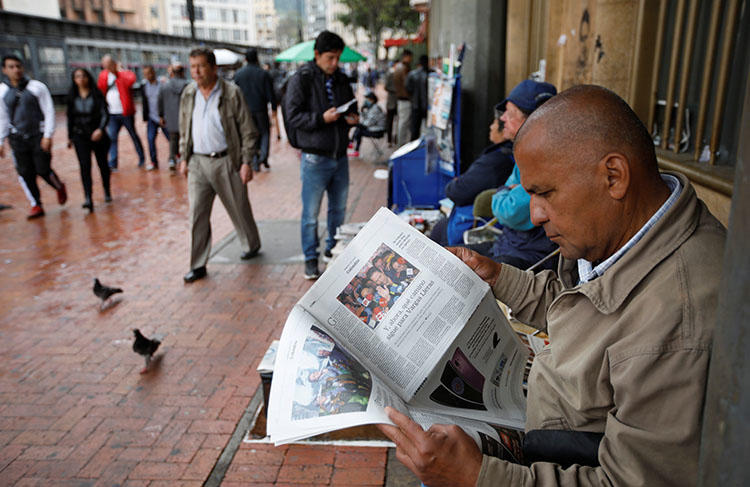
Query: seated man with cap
521	243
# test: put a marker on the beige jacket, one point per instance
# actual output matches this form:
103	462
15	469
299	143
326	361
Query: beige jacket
238	125
628	354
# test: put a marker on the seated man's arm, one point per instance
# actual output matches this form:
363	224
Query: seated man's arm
651	435
511	208
463	189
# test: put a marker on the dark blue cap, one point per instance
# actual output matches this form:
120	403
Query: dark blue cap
528	95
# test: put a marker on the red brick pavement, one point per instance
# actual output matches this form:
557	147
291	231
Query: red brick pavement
73	408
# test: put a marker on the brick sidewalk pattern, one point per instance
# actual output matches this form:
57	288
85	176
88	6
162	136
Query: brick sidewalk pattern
73	408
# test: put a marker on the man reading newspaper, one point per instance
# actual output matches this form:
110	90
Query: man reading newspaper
629	314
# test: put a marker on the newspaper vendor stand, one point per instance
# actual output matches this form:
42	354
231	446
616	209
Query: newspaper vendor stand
421	169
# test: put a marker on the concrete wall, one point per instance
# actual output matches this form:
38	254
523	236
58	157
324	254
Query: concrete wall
41	8
481	24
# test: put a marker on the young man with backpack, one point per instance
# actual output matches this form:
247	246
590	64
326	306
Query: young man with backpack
315	126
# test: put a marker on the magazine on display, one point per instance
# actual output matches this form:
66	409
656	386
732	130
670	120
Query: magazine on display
398	321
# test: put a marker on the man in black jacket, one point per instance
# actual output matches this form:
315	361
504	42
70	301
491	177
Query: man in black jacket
312	95
257	86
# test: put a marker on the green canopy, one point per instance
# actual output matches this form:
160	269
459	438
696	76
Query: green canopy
304	52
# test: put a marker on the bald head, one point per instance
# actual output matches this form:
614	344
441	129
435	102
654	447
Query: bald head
590	121
589	165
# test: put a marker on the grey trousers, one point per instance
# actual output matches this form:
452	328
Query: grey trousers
207	178
404	121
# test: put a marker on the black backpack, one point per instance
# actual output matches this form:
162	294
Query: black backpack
291	132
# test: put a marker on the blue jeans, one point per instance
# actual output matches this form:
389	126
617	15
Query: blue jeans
113	128
322	174
263	124
152	132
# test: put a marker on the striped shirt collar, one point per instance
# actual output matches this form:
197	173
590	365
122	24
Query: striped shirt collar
587	272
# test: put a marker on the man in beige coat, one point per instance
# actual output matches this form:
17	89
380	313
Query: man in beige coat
630	317
217	142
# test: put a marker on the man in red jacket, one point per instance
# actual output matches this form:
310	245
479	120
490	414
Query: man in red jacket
116	85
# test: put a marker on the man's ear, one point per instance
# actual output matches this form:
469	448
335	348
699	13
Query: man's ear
618	174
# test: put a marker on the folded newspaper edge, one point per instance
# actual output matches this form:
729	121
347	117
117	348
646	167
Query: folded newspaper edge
398	321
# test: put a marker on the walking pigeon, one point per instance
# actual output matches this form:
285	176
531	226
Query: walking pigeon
144	346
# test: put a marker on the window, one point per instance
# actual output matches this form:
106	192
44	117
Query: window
199	13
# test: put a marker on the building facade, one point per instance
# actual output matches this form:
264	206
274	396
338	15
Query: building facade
216	20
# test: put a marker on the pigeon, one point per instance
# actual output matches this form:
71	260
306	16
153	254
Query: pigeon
144	346
104	292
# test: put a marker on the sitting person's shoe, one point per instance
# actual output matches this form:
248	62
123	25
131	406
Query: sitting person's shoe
327	255
195	274
311	269
36	212
249	254
62	194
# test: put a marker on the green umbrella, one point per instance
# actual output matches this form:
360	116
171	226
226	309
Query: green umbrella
304	52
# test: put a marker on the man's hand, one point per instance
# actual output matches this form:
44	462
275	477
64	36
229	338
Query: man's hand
162	122
352	119
331	115
183	168
246	173
46	144
444	455
485	267
96	135
2	150
70	144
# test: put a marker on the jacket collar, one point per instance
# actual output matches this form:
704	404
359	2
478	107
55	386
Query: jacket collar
609	291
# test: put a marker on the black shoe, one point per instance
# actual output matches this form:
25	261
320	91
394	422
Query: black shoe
256	168
195	274
327	256
311	269
249	254
108	198
88	205
265	163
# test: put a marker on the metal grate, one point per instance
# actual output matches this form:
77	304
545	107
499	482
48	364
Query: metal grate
686	77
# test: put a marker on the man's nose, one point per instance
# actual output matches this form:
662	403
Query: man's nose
537	212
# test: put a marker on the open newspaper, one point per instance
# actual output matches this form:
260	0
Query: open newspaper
398	321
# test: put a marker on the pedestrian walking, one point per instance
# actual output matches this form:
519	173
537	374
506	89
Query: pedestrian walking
169	107
400	72
27	119
257	87
218	140
416	85
87	125
116	85
391	104
312	95
150	89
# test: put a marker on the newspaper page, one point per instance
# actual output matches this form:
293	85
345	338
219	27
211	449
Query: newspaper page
481	375
396	300
319	387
